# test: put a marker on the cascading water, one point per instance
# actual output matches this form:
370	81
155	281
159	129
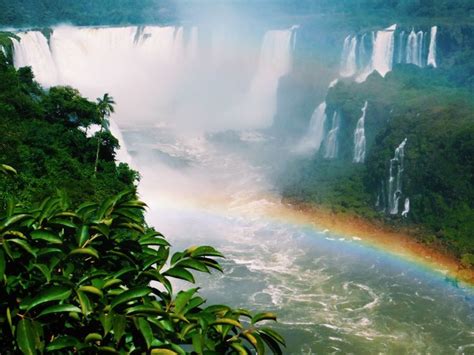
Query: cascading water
359	138
311	142
384	50
382	53
33	50
400	50
169	62
331	146
275	61
395	178
349	57
432	49
406	208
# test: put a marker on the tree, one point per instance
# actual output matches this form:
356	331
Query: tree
96	280
105	107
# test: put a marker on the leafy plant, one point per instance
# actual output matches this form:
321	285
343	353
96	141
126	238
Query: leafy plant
98	280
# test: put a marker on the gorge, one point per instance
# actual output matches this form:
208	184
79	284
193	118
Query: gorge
201	115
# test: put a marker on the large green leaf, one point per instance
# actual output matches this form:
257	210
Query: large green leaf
119	326
228	321
91	289
25	337
182	299
83	235
60	308
63	342
204	251
46	235
263	316
85	251
24	244
55	293
130	295
14	219
180	273
44	269
273	334
146	331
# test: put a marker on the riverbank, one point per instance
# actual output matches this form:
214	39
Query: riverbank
401	241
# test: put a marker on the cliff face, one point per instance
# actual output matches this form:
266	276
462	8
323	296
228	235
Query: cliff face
418	132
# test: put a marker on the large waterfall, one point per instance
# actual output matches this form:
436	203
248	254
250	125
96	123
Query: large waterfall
174	76
395	179
359	137
382	53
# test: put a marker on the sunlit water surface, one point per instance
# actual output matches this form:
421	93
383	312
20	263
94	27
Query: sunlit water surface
332	294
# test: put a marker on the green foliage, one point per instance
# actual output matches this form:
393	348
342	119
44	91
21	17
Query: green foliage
96	279
437	117
44	137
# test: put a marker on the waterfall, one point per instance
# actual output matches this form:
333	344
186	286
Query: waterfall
382	53
157	75
401	47
349	57
406	208
33	50
274	62
395	178
331	146
385	51
415	48
359	138
420	39
311	142
432	49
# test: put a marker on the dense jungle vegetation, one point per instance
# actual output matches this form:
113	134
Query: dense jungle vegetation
437	118
43	137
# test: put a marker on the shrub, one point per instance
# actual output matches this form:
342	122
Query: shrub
98	280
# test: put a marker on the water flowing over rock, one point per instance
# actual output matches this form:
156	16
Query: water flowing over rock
359	138
395	178
415	48
382	53
378	51
168	67
33	50
406	208
432	50
349	57
311	142
331	146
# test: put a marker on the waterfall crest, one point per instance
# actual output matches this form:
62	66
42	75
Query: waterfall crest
382	53
33	50
386	47
157	74
359	138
